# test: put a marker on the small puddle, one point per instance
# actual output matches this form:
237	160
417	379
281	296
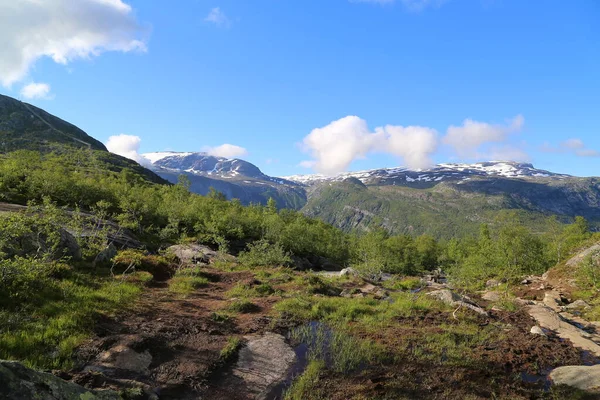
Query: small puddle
316	340
309	333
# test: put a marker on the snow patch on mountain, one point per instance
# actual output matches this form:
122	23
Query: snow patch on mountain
446	171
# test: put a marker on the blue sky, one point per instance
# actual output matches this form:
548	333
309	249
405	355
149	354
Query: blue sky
321	84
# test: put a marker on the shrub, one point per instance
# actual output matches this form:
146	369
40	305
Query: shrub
264	254
242	306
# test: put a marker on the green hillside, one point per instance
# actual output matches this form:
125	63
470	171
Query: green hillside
451	209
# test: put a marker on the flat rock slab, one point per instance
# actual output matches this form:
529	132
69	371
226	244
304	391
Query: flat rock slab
585	378
18	382
454	299
549	319
263	363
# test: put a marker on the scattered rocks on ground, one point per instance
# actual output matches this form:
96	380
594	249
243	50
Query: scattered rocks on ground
536	330
18	382
585	378
454	299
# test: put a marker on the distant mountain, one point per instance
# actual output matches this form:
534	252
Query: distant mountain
448	199
26	127
233	177
441	172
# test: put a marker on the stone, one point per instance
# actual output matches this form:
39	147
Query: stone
263	363
492	283
586	378
107	254
577	304
192	253
301	263
549	319
348	272
454	299
536	330
552	299
124	357
491	296
18	382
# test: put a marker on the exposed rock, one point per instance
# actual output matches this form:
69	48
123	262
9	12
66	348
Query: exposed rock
69	244
301	263
107	254
492	283
553	300
549	319
454	299
491	296
124	357
192	253
348	271
263	363
18	382
577	259
578	304
585	378
126	354
536	330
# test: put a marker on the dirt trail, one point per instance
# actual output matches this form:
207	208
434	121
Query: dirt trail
168	344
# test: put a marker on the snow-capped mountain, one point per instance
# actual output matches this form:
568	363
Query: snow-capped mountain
234	177
438	173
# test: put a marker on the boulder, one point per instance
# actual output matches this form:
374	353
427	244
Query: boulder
263	363
577	305
18	382
107	254
192	253
125	358
586	378
348	272
454	299
301	264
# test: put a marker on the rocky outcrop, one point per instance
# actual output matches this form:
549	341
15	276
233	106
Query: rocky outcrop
549	319
18	382
262	364
454	299
586	378
192	253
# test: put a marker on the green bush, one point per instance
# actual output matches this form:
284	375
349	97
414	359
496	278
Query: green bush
264	254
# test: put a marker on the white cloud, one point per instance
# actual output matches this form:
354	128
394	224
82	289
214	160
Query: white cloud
127	146
64	30
415	144
467	139
218	17
226	150
36	91
335	146
573	146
